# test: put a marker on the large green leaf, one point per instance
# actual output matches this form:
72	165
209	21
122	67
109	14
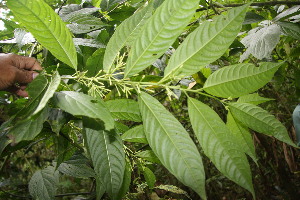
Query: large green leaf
128	29
172	144
206	44
218	144
237	80
260	120
126	180
242	136
53	85
135	134
43	184
47	27
106	150
81	104
159	33
28	129
125	109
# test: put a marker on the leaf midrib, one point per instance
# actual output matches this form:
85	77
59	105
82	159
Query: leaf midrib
241	78
154	39
37	17
170	138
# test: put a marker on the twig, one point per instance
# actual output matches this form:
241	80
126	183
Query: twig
270	3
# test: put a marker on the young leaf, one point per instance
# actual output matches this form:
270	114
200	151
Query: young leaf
172	144
158	34
76	170
148	155
260	42
242	136
206	44
83	105
43	184
29	128
218	144
106	151
260	120
124	109
53	85
237	80
254	99
47	27
129	28
135	134
149	177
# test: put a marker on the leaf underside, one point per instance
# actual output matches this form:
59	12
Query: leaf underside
172	144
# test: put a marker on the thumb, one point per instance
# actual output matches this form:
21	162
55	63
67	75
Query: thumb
24	76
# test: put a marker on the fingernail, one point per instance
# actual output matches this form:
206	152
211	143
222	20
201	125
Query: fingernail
34	75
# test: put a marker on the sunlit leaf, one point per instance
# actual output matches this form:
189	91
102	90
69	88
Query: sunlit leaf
125	32
206	44
237	80
158	34
47	27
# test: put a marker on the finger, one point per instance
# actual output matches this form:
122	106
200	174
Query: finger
24	76
18	91
28	63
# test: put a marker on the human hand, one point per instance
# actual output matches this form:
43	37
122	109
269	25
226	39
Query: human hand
16	72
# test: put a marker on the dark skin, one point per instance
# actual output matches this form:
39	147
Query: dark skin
16	72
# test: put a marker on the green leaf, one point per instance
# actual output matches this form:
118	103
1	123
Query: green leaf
64	150
242	136
123	34
28	129
83	105
43	184
254	99
260	120
106	150
76	170
57	118
148	155
37	86
94	63
96	3
252	17
149	177
172	144
126	181
218	144
206	44
53	85
125	109
159	33
135	134
237	80
291	29
47	27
